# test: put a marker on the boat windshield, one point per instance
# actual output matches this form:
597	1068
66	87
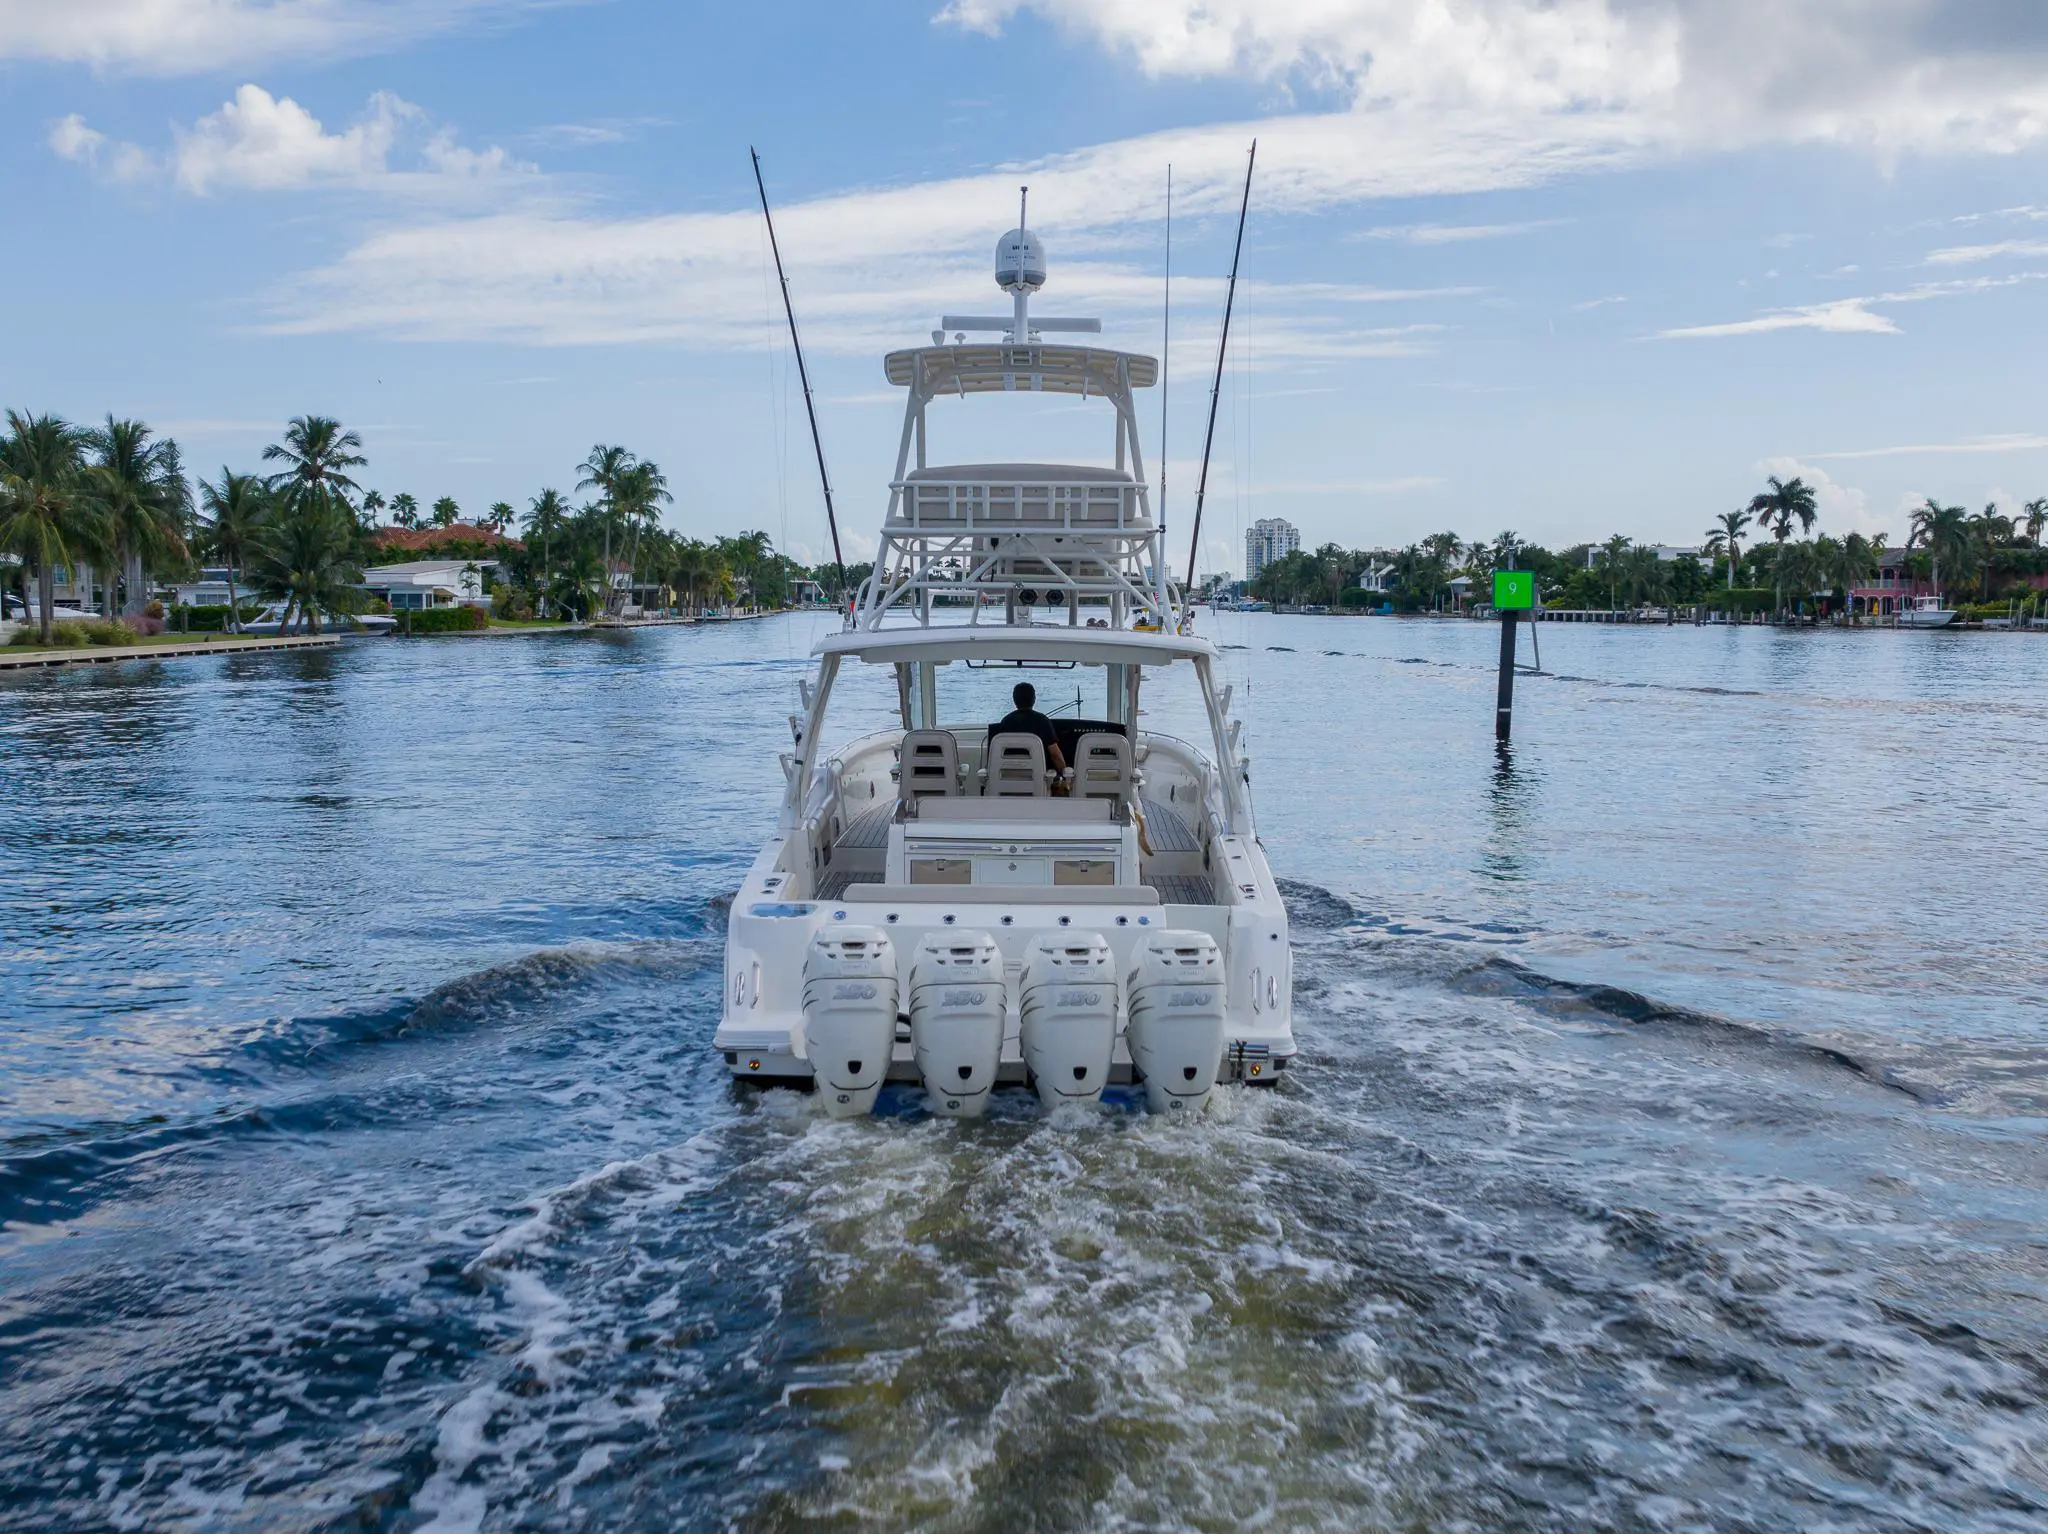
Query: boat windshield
967	694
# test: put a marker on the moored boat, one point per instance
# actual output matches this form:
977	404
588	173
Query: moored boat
1926	612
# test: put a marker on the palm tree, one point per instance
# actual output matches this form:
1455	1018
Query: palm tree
305	559
2036	515
145	505
1845	564
1648	577
546	517
373	502
1786	502
638	495
316	454
500	517
1442	549
237	510
1507	548
405	511
1944	531
604	471
1726	536
1612	560
1991	527
693	566
46	516
445	513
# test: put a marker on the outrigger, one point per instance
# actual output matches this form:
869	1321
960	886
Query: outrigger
943	902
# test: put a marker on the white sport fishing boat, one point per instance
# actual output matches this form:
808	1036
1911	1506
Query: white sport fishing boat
942	902
1926	613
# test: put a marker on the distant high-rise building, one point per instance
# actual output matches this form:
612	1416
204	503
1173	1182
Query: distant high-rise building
1267	540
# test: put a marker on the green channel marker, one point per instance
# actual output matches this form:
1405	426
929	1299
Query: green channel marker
1514	590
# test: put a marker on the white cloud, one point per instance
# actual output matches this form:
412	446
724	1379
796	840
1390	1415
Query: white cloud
2011	442
1961	255
1894	75
1848	316
169	37
1842	508
872	268
1453	234
261	142
71	139
1432	97
1845	316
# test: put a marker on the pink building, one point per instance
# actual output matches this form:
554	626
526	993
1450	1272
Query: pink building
1893	587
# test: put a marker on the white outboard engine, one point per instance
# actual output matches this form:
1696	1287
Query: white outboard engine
850	1016
1177	1010
958	1000
1069	1016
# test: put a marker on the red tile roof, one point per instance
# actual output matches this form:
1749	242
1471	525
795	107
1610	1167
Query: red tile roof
434	540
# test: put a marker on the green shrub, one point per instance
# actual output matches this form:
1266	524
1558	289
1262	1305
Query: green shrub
71	636
460	619
209	619
512	603
1742	601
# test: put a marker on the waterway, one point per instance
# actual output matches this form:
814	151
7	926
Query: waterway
1669	1148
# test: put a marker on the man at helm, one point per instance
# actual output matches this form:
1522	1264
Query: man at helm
1025	719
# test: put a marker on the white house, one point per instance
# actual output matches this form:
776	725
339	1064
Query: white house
423	583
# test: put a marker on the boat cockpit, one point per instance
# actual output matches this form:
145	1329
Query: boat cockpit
941	802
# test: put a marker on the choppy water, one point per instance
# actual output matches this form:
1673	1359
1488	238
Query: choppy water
1669	1152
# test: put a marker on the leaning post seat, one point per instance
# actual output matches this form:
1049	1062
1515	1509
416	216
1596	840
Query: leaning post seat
928	765
1016	766
1102	767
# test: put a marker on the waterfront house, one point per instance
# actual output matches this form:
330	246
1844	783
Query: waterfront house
423	583
1893	586
211	589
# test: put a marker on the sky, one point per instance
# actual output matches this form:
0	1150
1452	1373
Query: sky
1567	268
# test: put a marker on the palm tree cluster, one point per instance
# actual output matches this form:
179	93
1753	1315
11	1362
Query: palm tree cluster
115	498
1986	544
112	496
594	559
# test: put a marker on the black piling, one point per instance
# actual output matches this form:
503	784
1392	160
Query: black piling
1504	704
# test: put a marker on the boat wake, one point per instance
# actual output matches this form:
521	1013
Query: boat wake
1510	1252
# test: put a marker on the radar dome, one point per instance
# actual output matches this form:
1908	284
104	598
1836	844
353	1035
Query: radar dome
1020	262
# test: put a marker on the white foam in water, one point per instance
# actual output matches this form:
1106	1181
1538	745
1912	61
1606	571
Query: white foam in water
1488	1260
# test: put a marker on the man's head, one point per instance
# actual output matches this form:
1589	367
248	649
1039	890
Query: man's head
1024	695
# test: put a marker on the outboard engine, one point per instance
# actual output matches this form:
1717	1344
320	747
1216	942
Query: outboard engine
850	1016
958	1000
1069	1016
1177	1010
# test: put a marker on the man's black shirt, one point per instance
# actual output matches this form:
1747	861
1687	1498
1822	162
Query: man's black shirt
1028	721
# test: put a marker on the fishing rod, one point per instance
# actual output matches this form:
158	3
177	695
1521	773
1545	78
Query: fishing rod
1222	345
1165	357
803	374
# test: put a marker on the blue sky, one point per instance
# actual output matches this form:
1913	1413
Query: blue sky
1571	269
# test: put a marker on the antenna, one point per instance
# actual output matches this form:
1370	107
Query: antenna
1222	345
810	409
1165	354
1023	198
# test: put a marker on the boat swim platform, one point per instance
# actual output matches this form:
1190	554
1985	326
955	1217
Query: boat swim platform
103	655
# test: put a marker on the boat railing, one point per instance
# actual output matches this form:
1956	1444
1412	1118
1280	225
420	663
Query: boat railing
976	505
